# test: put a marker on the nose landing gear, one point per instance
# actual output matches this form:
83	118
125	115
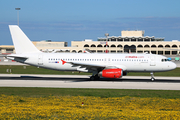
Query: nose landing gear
152	76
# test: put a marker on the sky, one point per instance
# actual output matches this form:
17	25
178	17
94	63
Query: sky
76	20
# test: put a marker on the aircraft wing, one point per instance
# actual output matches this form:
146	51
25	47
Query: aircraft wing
90	66
85	66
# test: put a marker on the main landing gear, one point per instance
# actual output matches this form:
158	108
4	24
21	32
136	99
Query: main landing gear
94	77
152	76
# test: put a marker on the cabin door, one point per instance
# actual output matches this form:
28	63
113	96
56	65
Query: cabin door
40	59
152	61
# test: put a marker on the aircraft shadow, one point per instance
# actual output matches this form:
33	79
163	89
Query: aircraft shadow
87	79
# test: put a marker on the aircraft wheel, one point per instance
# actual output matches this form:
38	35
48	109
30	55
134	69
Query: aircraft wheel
92	78
152	76
152	79
97	77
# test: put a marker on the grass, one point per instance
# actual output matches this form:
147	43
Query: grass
15	69
34	70
103	93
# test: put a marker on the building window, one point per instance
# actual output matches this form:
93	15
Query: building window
93	45
113	46
147	40
140	39
146	46
139	51
140	46
80	51
133	39
119	51
146	51
99	45
167	52
113	39
9	50
113	51
160	46
160	52
133	48
126	48
74	51
126	39
99	51
93	51
167	46
105	45
86	45
153	52
174	52
120	39
119	46
153	46
174	46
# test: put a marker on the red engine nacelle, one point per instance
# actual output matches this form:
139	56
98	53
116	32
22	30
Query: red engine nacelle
112	73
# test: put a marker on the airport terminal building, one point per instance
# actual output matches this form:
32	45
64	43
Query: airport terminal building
128	42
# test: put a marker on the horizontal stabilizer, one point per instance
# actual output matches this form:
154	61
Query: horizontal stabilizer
17	58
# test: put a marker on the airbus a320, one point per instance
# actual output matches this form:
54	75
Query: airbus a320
100	65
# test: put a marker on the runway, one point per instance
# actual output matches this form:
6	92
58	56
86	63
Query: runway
82	81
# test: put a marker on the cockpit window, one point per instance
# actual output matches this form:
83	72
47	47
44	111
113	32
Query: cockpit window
165	60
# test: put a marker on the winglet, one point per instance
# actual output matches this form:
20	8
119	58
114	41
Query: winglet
63	62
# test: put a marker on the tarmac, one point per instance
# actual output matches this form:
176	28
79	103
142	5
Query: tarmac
83	81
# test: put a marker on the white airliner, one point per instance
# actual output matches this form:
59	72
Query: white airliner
100	65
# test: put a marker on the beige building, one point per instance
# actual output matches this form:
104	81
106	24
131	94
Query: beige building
129	42
132	33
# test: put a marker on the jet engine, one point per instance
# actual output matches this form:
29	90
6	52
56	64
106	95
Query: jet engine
111	73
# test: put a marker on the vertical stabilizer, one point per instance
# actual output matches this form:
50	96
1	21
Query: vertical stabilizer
21	42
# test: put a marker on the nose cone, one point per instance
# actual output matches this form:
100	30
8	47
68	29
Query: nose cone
173	66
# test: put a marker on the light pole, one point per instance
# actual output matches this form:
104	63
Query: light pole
18	14
107	34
